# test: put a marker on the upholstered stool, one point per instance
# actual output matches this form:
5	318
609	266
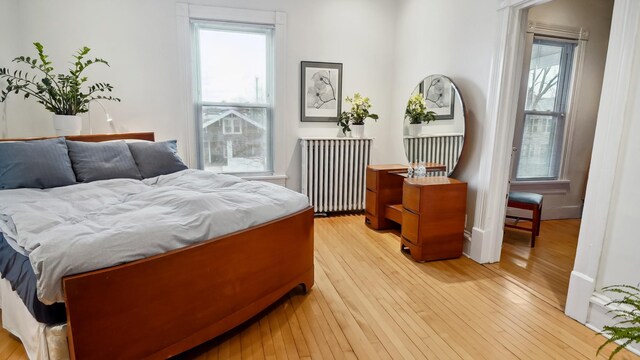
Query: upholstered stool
526	201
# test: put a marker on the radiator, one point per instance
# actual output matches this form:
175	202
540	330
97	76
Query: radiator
441	149
333	173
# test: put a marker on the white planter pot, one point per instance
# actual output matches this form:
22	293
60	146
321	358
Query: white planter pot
357	131
67	124
415	129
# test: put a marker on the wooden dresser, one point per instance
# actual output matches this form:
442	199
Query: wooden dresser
431	210
384	188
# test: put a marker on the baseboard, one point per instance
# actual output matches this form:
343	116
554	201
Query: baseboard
580	290
599	315
562	212
476	250
466	246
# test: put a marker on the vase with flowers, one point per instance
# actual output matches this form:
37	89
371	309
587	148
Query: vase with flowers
417	114
353	120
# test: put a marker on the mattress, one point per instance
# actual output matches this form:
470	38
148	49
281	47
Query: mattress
40	341
16	268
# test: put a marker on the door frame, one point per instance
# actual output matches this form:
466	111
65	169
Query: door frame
504	86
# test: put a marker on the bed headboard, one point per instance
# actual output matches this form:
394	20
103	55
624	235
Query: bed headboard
149	136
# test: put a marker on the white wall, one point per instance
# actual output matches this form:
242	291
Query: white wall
594	16
8	38
620	259
8	30
608	245
139	39
136	37
453	38
386	47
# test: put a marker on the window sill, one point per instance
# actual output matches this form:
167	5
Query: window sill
275	179
544	187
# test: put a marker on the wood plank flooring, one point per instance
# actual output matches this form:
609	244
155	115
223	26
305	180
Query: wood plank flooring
372	302
544	270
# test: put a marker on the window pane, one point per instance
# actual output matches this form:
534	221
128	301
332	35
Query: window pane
544	73
538	150
233	66
234	139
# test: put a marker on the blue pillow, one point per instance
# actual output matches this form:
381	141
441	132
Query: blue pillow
35	164
102	161
156	158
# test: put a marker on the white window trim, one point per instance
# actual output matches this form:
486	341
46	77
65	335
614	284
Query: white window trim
544	187
187	12
581	36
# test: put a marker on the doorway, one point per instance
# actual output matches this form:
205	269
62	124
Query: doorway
563	57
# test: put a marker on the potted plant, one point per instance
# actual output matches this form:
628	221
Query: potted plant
627	311
417	114
65	95
353	120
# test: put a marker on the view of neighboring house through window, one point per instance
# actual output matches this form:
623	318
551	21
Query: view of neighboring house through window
232	125
541	140
234	79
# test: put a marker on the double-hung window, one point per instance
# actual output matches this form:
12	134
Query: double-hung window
540	138
234	102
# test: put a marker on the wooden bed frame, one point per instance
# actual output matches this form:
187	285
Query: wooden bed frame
160	306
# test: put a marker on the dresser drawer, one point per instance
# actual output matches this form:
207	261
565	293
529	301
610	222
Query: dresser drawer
371	203
372	180
411	198
411	226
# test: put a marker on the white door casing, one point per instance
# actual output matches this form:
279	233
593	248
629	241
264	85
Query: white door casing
498	135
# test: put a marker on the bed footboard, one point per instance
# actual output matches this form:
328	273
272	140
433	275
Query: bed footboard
163	305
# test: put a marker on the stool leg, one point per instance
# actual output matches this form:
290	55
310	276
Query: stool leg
540	218
535	226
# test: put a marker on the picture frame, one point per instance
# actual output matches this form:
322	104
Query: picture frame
320	91
439	95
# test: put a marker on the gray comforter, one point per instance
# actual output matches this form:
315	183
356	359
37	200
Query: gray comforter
84	227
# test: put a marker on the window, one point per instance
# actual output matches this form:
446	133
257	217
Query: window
543	122
234	79
232	126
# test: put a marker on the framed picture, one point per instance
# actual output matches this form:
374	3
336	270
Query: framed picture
439	95
321	91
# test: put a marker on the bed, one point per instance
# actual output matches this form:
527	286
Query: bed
162	305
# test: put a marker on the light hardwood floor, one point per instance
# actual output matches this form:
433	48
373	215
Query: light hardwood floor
545	269
370	301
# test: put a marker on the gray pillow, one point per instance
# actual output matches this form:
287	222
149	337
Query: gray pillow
35	164
102	161
156	158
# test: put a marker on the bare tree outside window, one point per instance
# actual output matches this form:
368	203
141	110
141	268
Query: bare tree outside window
544	73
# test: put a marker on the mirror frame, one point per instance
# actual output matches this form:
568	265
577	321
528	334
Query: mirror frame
456	89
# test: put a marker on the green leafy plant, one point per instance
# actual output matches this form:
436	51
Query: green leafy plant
62	94
627	310
416	110
358	114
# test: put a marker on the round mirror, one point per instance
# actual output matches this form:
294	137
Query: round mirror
434	123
